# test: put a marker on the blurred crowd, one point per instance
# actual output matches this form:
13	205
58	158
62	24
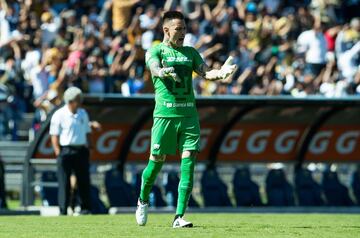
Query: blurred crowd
281	47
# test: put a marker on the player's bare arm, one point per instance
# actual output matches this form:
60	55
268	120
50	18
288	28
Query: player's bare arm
223	73
202	69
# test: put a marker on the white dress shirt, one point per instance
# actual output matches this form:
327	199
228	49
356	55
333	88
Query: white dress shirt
314	45
71	128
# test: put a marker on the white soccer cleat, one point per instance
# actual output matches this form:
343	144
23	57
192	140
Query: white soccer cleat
141	213
180	222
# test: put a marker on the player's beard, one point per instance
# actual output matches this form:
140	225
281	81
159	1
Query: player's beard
180	42
177	43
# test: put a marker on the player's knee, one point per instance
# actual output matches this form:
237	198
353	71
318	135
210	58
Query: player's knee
158	158
189	153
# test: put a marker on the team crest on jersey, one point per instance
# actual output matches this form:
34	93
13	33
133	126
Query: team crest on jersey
156	146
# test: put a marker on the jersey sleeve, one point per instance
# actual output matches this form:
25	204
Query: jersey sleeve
197	59
152	55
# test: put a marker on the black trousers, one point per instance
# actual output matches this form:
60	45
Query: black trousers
73	160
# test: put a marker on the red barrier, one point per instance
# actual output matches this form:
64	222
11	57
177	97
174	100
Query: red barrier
269	133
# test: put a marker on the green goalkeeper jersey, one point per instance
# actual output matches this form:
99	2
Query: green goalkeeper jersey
173	99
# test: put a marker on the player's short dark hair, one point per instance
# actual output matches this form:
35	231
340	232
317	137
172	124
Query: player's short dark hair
169	15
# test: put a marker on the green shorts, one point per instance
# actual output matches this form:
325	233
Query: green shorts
170	134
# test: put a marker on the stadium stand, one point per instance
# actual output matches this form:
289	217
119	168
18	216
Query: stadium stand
336	193
308	192
96	46
49	194
156	196
13	151
245	190
214	190
97	205
13	157
130	164
137	183
99	46
171	190
120	193
278	190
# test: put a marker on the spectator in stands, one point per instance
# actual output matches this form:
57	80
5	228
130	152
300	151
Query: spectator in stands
39	79
313	44
47	103
149	21
3	117
49	28
122	13
3	96
347	52
70	137
99	46
349	63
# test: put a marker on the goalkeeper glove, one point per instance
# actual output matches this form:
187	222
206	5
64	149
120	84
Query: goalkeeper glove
168	72
224	72
228	68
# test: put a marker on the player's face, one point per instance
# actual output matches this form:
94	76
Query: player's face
175	31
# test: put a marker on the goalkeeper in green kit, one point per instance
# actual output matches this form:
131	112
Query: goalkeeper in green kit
176	123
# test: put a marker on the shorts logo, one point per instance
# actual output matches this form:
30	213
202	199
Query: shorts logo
156	146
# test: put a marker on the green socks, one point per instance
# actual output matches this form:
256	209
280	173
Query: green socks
186	184
148	178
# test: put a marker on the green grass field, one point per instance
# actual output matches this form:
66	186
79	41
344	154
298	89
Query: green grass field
206	225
